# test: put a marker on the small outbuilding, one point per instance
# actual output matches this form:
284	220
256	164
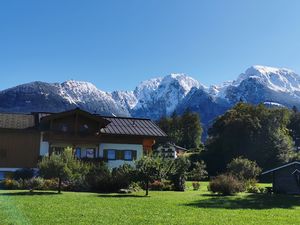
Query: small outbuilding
286	178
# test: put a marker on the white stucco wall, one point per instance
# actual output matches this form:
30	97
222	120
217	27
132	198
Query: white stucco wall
44	147
116	163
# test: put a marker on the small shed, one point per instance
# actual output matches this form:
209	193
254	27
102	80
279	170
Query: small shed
286	178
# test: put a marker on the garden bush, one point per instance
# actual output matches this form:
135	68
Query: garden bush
161	186
10	184
196	186
135	187
244	169
226	184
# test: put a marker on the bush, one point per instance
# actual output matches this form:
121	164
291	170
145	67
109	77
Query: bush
226	184
156	186
23	174
50	184
10	184
36	183
161	186
196	186
244	169
121	177
99	178
134	187
198	172
253	188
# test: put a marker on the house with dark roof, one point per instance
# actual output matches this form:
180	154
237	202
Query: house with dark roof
24	139
169	150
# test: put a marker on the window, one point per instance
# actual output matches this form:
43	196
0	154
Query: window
90	153
111	154
127	155
78	153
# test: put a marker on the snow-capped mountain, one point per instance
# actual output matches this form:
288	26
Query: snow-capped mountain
45	97
160	97
157	97
265	84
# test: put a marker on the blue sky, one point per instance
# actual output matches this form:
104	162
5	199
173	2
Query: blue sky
115	44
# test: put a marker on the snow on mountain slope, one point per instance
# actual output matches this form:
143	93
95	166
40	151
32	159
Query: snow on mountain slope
277	79
265	84
41	96
126	99
160	97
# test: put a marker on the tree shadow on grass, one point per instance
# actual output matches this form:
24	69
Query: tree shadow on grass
253	201
121	196
28	193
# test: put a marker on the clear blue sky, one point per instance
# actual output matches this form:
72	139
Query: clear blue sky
115	44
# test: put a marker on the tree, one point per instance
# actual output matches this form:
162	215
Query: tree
199	171
180	172
244	169
191	130
254	132
63	166
184	130
149	169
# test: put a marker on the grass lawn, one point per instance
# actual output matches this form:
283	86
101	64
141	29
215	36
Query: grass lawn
190	207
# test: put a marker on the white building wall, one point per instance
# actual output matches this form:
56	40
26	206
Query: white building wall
116	163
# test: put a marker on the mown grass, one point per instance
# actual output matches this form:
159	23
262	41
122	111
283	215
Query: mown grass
190	207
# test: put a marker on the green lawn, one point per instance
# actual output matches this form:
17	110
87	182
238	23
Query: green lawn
190	207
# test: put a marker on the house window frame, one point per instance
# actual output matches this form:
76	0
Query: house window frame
131	155
115	154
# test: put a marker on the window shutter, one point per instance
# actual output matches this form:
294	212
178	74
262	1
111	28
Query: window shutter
134	153
120	155
105	153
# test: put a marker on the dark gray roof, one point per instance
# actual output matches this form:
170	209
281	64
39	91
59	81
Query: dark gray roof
281	167
132	126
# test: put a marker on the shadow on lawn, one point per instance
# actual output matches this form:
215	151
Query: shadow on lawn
254	201
27	193
121	196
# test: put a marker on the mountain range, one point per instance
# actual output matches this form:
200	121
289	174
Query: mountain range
160	96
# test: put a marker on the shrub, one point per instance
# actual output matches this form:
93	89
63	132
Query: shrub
196	186
198	172
253	189
99	178
134	187
23	174
50	184
121	177
36	183
161	186
10	184
244	169
156	185
225	184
